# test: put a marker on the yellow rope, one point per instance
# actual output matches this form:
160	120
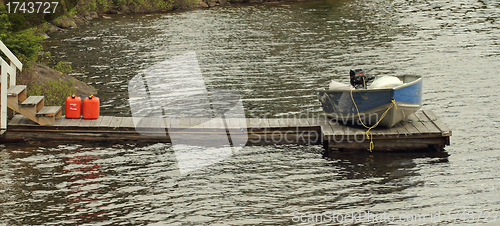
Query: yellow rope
368	133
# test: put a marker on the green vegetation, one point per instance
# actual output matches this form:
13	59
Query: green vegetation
63	67
55	92
126	6
24	43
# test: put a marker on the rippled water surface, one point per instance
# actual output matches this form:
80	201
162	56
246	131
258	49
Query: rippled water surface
275	55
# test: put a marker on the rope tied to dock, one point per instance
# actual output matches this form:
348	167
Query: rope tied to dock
368	133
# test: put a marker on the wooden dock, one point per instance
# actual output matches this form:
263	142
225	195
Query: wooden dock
421	130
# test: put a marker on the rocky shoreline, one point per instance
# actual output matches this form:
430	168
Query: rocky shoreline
68	22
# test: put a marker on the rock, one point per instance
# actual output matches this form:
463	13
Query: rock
42	74
64	22
78	19
94	15
125	9
52	28
212	3
202	4
86	16
223	2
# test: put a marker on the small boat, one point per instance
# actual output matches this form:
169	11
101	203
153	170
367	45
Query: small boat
387	101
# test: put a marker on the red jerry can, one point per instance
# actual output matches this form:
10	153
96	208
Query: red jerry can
91	107
73	106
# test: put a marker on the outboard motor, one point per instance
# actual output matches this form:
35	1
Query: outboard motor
359	79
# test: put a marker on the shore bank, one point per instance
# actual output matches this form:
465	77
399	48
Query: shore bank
86	11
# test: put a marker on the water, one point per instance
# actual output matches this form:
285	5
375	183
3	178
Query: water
275	55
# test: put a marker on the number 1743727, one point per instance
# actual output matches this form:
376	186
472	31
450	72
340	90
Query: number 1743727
31	7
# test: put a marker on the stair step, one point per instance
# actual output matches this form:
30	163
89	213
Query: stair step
49	111
33	100
15	90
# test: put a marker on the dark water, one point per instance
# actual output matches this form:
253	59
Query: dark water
274	55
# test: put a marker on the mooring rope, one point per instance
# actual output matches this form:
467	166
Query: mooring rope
368	133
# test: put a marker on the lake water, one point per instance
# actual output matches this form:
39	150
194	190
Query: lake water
275	55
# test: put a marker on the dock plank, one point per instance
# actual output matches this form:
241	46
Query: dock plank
195	123
401	129
204	123
233	123
144	123
264	123
445	131
15	120
412	130
106	121
167	122
274	123
95	122
26	122
57	122
175	123
134	122
84	123
185	122
253	122
179	123
243	123
415	122
115	122
327	131
157	124
302	122
391	132
64	122
217	123
284	122
126	122
74	122
428	124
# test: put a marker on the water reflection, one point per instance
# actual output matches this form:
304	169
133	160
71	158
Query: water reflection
84	176
389	165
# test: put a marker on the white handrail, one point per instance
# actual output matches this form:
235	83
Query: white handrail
13	59
5	71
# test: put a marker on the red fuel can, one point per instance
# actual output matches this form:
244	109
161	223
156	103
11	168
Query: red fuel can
73	107
91	107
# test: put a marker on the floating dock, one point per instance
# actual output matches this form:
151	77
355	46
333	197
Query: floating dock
421	130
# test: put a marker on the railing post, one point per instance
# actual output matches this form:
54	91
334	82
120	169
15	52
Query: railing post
3	96
12	73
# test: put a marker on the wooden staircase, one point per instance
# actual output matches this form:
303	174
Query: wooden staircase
15	97
32	107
